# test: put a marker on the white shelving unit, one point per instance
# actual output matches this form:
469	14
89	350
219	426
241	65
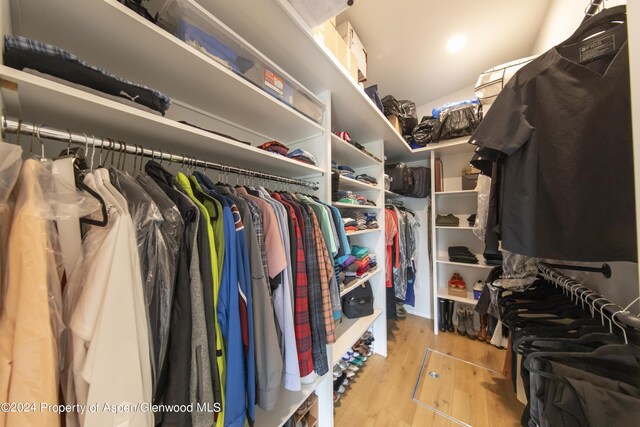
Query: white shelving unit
455	155
360	281
354	185
350	330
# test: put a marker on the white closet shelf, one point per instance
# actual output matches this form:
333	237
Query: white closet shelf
350	206
360	281
444	293
443	227
42	101
456	193
345	153
311	63
287	404
391	194
444	259
446	148
357	233
349	331
351	184
108	34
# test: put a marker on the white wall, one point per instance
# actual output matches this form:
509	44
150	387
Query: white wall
459	95
563	17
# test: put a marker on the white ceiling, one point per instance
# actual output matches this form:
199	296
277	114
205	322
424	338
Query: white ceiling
406	41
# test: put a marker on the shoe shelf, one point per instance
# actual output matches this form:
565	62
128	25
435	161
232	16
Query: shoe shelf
349	331
360	281
288	404
444	293
351	184
179	70
443	259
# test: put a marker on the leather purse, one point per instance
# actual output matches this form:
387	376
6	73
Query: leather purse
359	302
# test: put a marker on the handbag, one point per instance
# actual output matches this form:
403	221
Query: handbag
359	302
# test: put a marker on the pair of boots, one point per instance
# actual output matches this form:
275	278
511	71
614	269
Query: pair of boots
445	315
465	321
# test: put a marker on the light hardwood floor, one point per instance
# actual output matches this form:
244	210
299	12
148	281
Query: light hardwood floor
381	394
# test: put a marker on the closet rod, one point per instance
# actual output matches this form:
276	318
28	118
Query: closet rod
605	270
42	131
578	289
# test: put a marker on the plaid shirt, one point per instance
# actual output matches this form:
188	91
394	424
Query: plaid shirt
256	214
325	267
318	334
301	293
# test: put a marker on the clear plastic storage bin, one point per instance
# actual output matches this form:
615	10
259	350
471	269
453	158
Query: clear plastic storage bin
195	26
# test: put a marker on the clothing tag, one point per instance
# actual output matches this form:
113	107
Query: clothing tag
595	48
274	82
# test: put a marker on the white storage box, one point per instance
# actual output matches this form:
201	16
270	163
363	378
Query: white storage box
491	82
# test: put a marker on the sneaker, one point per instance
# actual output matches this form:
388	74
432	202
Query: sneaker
357	362
337	371
341	390
478	286
354	368
350	374
343	365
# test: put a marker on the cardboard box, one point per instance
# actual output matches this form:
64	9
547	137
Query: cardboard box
462	293
353	42
393	119
327	35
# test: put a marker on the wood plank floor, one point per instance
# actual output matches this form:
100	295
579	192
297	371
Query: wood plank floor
381	394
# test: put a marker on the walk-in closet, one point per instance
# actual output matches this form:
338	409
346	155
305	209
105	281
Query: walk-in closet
319	213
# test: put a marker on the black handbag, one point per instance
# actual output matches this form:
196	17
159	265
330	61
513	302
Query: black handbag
359	302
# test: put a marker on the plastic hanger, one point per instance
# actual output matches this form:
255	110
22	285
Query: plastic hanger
604	20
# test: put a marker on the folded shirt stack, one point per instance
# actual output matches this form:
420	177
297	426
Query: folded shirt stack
303	156
275	147
462	254
493	259
372	220
347	262
373	263
347	171
359	252
447	221
367	178
361	200
347	197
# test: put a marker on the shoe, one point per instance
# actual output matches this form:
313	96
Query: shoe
343	365
460	282
336	397
337	371
357	362
482	334
341	389
401	312
354	368
361	358
346	382
449	316
442	314
468	323
350	374
462	325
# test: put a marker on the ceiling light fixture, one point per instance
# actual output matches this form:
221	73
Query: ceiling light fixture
456	43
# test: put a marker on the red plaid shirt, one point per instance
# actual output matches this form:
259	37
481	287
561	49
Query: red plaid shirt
301	292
